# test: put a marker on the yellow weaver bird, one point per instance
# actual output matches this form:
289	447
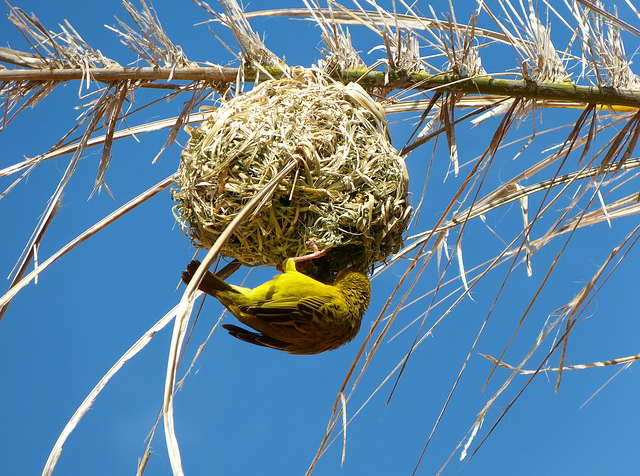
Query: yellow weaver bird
293	312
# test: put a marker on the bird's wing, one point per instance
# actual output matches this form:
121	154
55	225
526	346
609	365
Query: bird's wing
319	307
255	337
292	312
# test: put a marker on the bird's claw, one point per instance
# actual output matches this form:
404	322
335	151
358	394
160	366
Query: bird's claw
316	253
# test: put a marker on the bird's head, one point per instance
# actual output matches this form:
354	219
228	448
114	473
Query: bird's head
355	286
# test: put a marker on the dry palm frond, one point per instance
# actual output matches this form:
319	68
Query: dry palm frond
339	53
149	41
20	282
66	49
427	66
591	365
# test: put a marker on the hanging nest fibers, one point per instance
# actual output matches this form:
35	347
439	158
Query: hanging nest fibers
348	193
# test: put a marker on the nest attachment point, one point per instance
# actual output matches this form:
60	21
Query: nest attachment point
348	194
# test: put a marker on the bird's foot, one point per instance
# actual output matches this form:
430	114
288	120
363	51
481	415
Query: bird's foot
316	253
290	263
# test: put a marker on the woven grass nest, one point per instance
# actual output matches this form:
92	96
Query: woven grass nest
348	194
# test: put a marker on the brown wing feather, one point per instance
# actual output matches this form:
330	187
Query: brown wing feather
304	310
272	315
314	306
255	337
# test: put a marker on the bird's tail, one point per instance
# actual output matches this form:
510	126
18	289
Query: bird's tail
210	284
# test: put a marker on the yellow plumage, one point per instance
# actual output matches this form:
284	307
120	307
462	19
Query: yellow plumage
293	312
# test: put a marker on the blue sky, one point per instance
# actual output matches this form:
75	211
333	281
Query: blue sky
248	410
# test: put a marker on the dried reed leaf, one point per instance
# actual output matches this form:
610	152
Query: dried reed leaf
150	42
85	235
591	365
253	49
184	310
120	93
94	141
411	47
84	407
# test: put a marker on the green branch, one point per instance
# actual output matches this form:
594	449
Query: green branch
550	91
